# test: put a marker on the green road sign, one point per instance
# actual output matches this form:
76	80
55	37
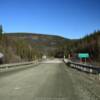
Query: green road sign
83	55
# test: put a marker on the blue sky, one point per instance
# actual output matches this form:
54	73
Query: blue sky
67	18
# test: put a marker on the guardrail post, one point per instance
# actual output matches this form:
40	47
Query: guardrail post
99	76
91	70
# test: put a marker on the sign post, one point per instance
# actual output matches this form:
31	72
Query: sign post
83	55
69	56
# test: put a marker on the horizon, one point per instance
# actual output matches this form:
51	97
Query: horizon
48	34
67	18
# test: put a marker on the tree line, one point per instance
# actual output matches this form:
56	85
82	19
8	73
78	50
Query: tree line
88	44
17	49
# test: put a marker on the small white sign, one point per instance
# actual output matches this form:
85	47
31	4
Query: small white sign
1	55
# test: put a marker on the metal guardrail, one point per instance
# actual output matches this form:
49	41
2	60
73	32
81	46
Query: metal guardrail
83	67
86	68
4	66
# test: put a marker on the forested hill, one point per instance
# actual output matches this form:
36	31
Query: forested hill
18	47
88	44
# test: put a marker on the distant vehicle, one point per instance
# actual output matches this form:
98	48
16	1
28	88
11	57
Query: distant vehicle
1	57
44	57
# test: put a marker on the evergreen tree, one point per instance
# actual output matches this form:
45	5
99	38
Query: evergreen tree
1	29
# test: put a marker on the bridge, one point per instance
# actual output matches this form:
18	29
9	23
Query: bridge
50	79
